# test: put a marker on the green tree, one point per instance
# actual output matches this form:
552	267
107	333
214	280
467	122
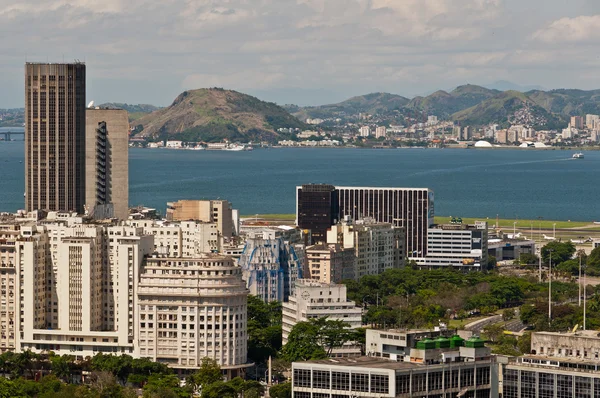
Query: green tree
282	390
302	344
209	373
264	329
528	259
219	389
561	251
62	366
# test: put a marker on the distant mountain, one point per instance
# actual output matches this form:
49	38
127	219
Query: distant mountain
567	102
509	107
216	114
375	103
503	85
443	104
135	111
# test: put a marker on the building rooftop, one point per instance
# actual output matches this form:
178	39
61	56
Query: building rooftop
590	334
364	362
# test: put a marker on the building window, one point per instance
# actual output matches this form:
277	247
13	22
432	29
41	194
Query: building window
320	379
360	382
380	384
340	381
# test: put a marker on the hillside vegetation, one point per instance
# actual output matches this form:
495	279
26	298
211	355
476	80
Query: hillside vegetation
374	103
215	114
470	105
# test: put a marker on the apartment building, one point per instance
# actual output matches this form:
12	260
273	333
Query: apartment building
192	308
181	239
377	246
313	300
208	211
330	263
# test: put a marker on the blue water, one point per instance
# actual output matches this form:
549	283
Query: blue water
467	182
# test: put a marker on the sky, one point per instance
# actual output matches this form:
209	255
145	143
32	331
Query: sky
306	52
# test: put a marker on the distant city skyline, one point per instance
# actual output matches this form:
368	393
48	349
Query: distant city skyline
305	52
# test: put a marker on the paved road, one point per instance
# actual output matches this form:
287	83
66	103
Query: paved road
478	326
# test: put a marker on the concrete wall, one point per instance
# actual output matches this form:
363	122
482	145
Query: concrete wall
117	162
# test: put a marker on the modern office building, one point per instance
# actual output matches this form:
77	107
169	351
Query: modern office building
317	209
55	137
396	345
217	211
560	365
271	265
377	246
408	208
312	300
459	246
192	308
467	370
107	163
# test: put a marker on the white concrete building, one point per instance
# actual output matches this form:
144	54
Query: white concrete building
181	239
460	246
192	308
378	246
313	300
380	131
364	131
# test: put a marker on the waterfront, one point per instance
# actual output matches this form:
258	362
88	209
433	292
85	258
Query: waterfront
466	182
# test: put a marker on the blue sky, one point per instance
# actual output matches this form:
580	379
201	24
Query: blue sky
300	51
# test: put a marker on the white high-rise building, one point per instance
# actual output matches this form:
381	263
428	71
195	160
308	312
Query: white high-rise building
81	288
192	308
364	131
380	131
317	300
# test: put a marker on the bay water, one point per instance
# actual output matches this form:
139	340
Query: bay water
522	184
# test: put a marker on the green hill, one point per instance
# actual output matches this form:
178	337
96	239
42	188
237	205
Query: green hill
567	102
374	103
135	111
443	104
509	107
215	114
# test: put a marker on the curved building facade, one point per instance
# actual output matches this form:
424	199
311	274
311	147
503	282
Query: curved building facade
192	308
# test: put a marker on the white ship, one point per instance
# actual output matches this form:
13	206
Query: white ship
234	148
578	155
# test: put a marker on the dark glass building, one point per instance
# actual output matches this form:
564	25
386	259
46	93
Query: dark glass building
408	208
55	137
317	209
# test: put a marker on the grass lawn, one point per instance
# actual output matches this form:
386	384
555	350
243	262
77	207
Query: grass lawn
287	217
525	224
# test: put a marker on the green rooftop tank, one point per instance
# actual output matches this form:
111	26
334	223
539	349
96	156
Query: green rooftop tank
456	341
442	342
475	342
425	344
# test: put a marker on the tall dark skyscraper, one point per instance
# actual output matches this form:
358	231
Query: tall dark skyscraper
409	208
317	209
55	137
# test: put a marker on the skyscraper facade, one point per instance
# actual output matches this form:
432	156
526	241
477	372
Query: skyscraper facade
55	136
409	208
107	163
317	209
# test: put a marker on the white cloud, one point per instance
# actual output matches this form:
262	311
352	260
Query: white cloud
407	46
583	28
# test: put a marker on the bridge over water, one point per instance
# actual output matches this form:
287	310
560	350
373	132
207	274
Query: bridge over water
8	132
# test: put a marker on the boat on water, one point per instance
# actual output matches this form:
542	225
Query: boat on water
234	148
578	155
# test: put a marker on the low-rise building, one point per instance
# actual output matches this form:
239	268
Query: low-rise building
457	245
313	300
